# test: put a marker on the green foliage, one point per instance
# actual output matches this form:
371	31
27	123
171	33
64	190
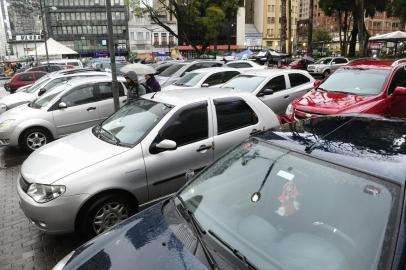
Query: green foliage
398	9
215	16
321	35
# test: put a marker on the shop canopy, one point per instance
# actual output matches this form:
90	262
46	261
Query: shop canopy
54	48
390	37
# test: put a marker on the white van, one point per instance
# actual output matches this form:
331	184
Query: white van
72	62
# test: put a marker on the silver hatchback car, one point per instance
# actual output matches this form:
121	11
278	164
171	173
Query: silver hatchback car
93	179
73	106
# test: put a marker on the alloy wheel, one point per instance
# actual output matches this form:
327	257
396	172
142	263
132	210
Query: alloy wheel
109	215
36	139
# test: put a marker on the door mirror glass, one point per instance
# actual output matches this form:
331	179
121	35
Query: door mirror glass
62	105
41	92
166	145
205	85
266	92
399	91
189	175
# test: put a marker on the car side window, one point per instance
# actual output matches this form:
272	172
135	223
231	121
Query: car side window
106	90
340	61
276	84
194	67
28	77
297	79
228	75
399	79
239	65
39	75
233	114
214	79
188	125
79	96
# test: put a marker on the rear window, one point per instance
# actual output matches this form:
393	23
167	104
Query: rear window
297	79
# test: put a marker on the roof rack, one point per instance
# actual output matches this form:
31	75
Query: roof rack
397	62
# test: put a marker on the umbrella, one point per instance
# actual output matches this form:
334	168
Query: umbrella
140	69
308	58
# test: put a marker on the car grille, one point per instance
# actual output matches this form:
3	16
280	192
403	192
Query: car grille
24	184
302	115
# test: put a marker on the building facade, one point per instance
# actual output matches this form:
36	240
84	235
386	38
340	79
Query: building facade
82	25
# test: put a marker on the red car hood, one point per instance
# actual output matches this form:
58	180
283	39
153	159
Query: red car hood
333	103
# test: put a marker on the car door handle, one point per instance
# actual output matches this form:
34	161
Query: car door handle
91	109
203	148
287	96
124	101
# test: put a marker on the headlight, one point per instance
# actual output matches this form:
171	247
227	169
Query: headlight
6	124
289	109
61	264
45	193
3	107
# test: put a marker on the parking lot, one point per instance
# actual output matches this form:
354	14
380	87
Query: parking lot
22	246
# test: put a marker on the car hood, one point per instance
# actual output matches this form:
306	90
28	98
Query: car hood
331	102
66	156
143	242
21	113
17	99
173	87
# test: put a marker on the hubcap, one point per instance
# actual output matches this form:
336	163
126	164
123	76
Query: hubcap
109	215
36	139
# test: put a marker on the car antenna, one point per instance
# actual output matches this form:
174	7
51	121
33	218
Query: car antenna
154	95
311	147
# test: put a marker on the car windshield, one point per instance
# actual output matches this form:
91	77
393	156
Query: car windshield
45	99
324	61
171	70
132	122
244	83
190	79
40	82
270	205
357	81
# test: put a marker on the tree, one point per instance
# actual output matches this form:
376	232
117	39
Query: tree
398	9
200	22
321	35
283	26
310	29
290	26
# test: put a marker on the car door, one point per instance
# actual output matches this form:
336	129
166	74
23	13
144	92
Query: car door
234	122
300	84
81	111
105	95
191	128
275	95
397	104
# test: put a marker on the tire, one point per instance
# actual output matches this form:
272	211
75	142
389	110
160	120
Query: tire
326	73
104	213
34	138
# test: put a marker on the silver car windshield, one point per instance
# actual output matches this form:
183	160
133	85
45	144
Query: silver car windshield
37	84
44	100
190	79
244	83
357	81
132	122
270	205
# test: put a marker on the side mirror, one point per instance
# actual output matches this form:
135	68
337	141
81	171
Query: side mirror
62	105
316	84
205	85
189	175
41	92
165	145
399	91
266	92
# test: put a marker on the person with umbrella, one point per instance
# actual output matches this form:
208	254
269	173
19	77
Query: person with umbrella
152	83
134	90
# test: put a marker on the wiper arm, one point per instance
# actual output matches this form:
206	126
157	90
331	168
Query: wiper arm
114	138
199	232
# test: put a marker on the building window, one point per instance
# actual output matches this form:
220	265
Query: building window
156	38
164	40
147	37
132	36
140	35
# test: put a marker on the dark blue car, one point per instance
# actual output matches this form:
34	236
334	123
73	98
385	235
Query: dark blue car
324	194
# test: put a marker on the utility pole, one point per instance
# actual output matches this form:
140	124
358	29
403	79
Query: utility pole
45	33
310	29
112	56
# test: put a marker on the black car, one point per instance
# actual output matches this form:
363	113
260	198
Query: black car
323	194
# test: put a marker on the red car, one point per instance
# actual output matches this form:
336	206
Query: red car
22	79
363	86
298	64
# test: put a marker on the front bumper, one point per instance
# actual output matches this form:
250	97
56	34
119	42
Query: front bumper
54	217
5	137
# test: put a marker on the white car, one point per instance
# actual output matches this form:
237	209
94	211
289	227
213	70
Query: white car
40	87
327	65
94	179
207	77
277	88
70	107
245	65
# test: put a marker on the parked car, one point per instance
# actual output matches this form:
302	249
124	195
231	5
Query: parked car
73	106
66	62
312	195
277	88
244	65
143	150
266	55
299	64
45	68
40	87
364	86
206	77
176	71
22	79
161	67
326	66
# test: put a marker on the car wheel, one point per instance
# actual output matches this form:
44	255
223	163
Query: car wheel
34	138
326	73
104	213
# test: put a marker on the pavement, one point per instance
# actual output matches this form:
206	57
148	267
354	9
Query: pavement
22	245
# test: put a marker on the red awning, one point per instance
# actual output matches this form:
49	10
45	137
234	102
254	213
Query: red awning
211	47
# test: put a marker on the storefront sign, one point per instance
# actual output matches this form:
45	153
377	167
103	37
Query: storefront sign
28	37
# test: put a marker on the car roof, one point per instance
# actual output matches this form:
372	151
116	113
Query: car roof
83	80
273	72
179	97
213	69
81	74
367	143
371	64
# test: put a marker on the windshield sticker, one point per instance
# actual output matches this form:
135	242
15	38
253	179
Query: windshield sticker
248	146
371	190
286	175
289	205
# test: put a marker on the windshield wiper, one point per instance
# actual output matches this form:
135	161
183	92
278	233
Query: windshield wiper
239	255
199	232
113	138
